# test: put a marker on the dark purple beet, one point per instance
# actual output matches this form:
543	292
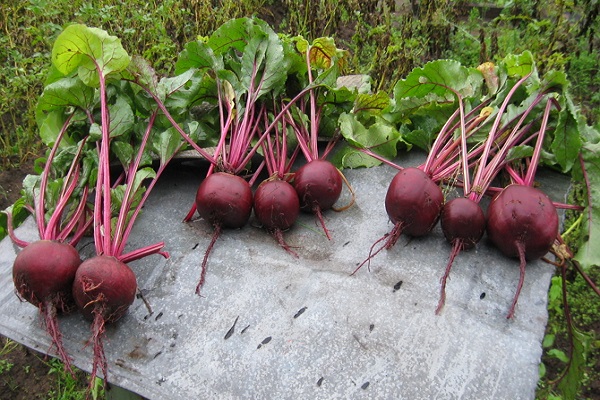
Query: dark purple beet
104	285
522	215
463	219
522	222
104	288
318	184
463	224
44	271
276	204
43	274
414	202
224	199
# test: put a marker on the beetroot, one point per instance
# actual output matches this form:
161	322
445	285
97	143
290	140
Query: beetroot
522	222
413	202
276	206
463	224
104	286
224	200
43	274
103	289
319	185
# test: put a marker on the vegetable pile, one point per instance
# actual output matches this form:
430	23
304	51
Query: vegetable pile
267	114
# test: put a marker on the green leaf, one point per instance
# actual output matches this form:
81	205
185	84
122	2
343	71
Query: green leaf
91	51
559	355
123	151
121	117
19	215
519	65
197	55
567	140
373	103
64	93
519	152
50	127
167	144
143	72
589	251
350	157
435	80
571	382
379	137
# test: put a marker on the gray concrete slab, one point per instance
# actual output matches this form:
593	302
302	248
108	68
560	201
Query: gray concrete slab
269	325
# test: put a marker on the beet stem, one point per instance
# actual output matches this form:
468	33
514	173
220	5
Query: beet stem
456	248
215	236
523	262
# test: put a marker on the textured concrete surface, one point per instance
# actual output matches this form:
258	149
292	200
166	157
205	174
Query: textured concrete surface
269	325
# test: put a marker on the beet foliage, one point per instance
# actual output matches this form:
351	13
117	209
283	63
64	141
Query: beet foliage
122	136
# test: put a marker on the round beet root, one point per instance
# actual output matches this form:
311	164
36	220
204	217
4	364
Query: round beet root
318	184
522	216
276	204
224	199
105	286
463	219
522	222
44	271
414	201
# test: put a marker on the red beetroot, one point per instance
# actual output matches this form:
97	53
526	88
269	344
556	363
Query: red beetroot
463	224
522	222
319	185
103	289
105	286
413	203
43	274
276	206
224	200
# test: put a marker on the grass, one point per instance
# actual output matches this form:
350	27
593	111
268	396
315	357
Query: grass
385	43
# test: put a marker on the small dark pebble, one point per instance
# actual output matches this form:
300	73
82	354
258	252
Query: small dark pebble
346	244
300	312
371	327
320	382
365	385
160	314
482	295
398	285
